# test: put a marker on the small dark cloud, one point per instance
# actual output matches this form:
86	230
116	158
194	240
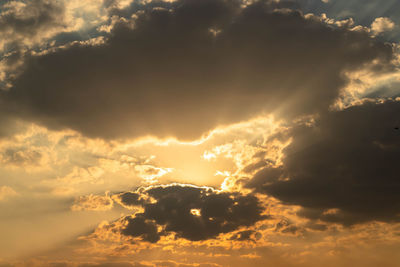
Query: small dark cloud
138	226
344	169
130	199
192	213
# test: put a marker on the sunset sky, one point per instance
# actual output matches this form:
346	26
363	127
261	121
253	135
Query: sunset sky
199	133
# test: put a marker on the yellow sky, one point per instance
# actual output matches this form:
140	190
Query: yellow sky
196	133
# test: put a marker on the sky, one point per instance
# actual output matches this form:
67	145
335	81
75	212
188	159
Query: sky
199	133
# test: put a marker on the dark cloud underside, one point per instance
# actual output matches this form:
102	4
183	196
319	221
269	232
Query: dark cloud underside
173	209
347	161
183	70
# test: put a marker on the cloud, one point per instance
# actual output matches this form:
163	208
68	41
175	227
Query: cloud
246	235
342	169
183	68
20	156
28	22
129	199
138	226
93	203
115	264
9	124
39	24
172	208
170	263
6	192
380	25
362	11
149	264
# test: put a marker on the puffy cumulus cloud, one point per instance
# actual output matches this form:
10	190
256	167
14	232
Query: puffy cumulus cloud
75	180
380	25
20	156
370	84
248	155
189	212
93	203
150	174
28	22
183	68
342	168
363	11
30	149
43	23
97	172
39	26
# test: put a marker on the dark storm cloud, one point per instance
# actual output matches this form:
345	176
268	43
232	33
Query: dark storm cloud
343	169
173	208
183	69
